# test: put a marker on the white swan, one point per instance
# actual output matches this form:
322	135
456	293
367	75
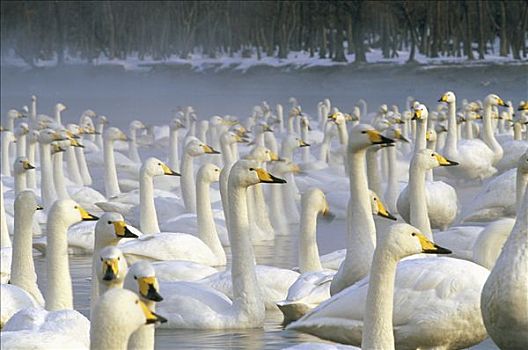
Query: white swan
133	153
111	269
207	310
111	135
361	229
505	295
47	188
475	157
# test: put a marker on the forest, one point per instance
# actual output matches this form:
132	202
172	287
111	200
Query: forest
41	30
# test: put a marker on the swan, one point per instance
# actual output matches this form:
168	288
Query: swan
117	315
31	148
111	270
361	228
442	200
174	162
489	244
111	184
22	292
141	279
201	308
21	132
47	188
21	167
504	298
74	173
7	138
515	148
400	241
475	157
100	125
193	148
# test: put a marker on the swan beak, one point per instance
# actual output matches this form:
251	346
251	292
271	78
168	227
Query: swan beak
332	116
151	317
400	137
122	230
376	138
274	156
168	171
383	212
417	115
40	207
295	168
327	214
443	99
502	103
86	216
523	107
27	165
209	150
267	128
72	135
110	269
303	143
75	143
429	247
123	137
57	137
148	288
444	161
266	177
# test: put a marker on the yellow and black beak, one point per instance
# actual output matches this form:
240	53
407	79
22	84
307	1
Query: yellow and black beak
267	128
85	215
327	214
151	317
444	161
417	115
27	165
110	269
56	148
502	103
57	137
266	177
122	231
383	212
303	143
71	135
443	98
332	116
148	288
209	150
429	247
168	171
523	107
274	156
75	143
399	136
378	139
40	207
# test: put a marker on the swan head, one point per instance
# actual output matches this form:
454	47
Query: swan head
70	212
245	173
14	114
378	208
47	136
448	97
113	266
59	146
402	240
315	199
195	148
137	125
293	142
88	114
102	120
523	106
430	135
27	201
338	118
395	133
209	173
21	129
262	154
118	313
428	159
285	167
110	228
364	135
155	167
114	134
60	107
141	278
22	165
230	137
523	163
176	124
495	100
420	112
383	109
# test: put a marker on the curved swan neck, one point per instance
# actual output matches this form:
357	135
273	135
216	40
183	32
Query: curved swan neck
187	183
110	173
418	200
377	326
58	176
488	134
308	250
174	162
148	219
450	148
246	293
47	188
59	294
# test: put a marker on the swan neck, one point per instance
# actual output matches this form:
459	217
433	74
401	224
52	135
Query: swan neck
488	134
148	219
226	152
420	141
59	294
47	188
377	327
58	176
418	200
206	224
174	162
308	250
187	184
110	172
450	148
21	146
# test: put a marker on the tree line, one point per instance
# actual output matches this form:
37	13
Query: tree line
326	29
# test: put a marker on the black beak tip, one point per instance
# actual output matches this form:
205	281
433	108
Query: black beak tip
442	250
440	100
91	218
392	217
129	234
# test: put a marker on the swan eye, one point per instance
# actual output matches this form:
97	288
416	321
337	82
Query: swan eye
159	164
109	222
101	259
118	258
363	132
251	169
137	301
76	207
413	234
432	154
135	277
